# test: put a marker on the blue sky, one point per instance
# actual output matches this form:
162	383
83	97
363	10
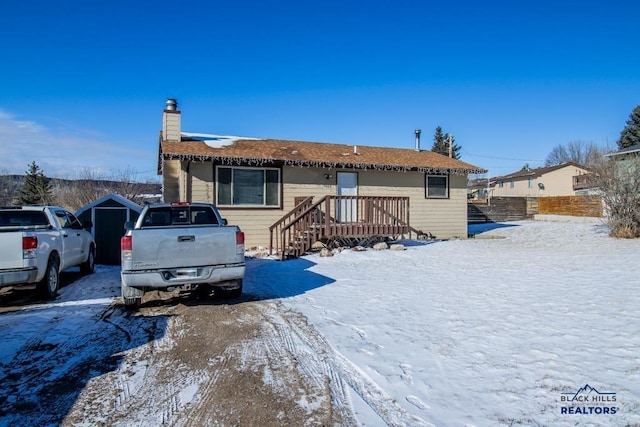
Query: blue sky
83	84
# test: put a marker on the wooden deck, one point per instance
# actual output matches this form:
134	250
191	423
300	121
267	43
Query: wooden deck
338	218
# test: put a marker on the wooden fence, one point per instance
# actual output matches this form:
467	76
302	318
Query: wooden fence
500	209
571	205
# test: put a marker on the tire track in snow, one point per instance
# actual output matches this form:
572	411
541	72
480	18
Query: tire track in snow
320	361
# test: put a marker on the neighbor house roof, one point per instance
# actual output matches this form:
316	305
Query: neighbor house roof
635	148
526	173
260	152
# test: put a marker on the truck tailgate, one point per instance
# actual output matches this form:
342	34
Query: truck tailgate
154	248
11	250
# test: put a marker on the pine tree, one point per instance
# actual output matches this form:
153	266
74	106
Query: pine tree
36	188
630	135
441	144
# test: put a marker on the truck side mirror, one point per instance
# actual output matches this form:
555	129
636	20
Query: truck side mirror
129	225
224	221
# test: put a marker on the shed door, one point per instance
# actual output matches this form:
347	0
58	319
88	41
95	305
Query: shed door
347	186
109	228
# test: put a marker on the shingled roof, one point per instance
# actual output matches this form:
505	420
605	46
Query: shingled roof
535	173
262	152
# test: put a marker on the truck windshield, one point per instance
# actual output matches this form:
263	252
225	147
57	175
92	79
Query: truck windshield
182	215
18	218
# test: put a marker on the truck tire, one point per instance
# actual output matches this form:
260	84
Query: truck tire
235	293
48	286
131	297
131	303
89	265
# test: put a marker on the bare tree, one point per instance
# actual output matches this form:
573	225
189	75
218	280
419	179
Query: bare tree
8	188
586	154
619	184
92	185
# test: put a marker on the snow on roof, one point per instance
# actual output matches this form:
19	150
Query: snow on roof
214	141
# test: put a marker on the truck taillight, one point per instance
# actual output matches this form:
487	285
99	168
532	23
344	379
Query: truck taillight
29	242
125	243
239	243
29	247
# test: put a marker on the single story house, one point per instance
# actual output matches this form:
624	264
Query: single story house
558	180
282	192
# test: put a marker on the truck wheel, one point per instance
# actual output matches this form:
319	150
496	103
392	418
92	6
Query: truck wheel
131	302
48	286
235	293
89	265
131	297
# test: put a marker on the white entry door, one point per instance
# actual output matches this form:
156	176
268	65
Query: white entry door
347	186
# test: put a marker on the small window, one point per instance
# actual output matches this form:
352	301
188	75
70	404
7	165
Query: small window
243	186
512	184
530	182
501	184
437	186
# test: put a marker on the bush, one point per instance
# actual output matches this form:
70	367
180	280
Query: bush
620	188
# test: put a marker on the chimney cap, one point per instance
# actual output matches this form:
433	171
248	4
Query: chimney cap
172	104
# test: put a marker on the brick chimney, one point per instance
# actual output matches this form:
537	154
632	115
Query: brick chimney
171	121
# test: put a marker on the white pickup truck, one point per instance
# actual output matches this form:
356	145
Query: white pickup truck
183	246
38	242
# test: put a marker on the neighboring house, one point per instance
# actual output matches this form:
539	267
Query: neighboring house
631	152
627	160
477	189
558	180
281	192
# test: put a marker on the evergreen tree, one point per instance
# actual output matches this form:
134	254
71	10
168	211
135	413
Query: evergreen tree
630	135
441	144
36	188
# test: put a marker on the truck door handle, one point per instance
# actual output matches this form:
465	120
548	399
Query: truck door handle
186	238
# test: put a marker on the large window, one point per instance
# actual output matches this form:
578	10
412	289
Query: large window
437	186
240	186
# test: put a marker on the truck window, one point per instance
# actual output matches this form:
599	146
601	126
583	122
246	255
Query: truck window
62	219
74	222
183	215
16	218
203	216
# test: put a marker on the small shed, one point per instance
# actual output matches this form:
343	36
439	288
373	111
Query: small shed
108	215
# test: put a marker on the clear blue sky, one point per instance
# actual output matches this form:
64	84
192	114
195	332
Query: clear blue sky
83	83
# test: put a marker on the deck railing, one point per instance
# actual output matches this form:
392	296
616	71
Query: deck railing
582	182
338	217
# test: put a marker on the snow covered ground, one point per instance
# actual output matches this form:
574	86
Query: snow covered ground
485	331
502	329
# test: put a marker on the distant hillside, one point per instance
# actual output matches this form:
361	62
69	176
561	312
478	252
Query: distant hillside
73	194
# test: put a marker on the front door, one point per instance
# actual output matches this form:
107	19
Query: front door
347	186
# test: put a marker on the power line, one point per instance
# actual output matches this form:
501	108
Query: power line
501	158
